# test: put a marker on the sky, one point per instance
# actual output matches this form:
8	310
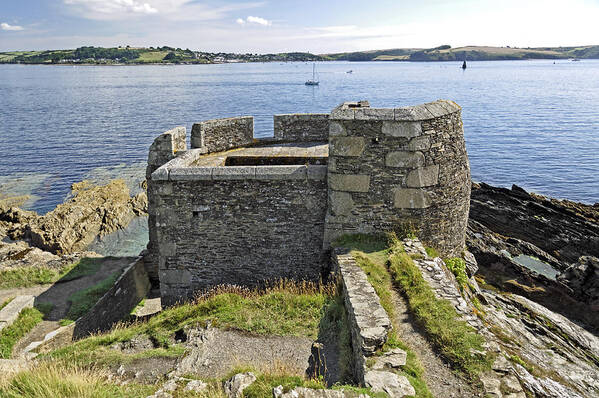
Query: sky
317	26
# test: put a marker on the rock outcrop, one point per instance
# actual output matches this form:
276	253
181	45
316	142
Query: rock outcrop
72	226
564	229
560	238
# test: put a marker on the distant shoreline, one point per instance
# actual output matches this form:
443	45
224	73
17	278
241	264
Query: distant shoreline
121	56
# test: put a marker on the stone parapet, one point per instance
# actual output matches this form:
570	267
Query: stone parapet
222	134
397	169
11	311
301	127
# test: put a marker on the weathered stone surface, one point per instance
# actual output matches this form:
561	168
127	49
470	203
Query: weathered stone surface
409	198
423	177
341	203
491	385
281	172
394	358
395	385
419	144
234	173
374	114
404	159
336	129
402	129
11	311
222	134
301	127
235	385
196	386
346	146
412	113
349	182
189	174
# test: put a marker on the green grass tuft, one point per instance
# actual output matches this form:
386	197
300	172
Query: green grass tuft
455	338
458	267
10	335
50	380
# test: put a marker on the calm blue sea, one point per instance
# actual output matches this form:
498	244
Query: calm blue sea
532	123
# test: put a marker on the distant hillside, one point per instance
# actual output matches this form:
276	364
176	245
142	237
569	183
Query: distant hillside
471	53
151	55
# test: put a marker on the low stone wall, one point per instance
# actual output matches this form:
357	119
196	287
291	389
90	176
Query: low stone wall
369	326
399	168
368	320
116	305
222	134
301	127
242	225
11	311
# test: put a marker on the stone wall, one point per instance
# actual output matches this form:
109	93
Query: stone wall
403	168
116	305
241	225
368	321
222	134
301	127
164	149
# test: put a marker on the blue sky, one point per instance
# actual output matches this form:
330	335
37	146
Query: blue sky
285	25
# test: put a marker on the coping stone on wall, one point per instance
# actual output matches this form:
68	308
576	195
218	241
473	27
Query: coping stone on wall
291	172
234	173
191	174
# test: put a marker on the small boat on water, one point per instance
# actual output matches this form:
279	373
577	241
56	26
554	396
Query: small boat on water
464	66
575	60
350	71
313	81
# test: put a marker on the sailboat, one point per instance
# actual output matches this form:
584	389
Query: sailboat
313	81
464	65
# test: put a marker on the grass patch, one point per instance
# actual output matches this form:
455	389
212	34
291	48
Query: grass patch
51	380
371	254
5	303
431	252
287	309
458	267
83	300
10	335
455	338
32	275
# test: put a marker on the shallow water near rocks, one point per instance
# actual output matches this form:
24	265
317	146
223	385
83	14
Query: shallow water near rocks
536	265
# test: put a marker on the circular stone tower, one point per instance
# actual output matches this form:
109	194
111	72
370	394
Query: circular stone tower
399	169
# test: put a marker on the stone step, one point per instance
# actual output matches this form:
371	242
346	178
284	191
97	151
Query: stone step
10	313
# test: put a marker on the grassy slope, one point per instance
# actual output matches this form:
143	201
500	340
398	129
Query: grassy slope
283	310
31	276
10	335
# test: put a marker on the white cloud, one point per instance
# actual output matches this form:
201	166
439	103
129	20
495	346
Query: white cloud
171	10
99	8
254	20
5	26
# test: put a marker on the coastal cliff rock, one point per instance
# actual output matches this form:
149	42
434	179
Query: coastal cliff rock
92	211
543	249
566	230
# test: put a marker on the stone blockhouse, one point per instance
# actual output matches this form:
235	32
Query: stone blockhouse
233	209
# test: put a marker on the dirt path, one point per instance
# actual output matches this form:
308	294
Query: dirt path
58	295
441	381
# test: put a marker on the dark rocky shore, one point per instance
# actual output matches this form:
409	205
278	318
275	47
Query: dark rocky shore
509	223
